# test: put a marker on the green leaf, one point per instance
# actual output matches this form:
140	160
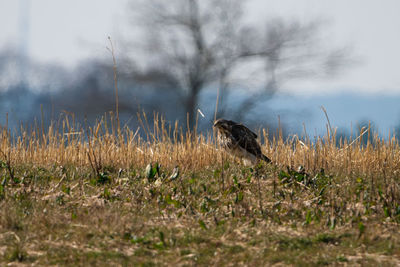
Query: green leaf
171	201
162	239
333	223
106	193
397	210
248	179
158	168
151	171
204	207
204	187
66	189
308	217
361	228
217	173
1	192
239	197
60	200
226	165
202	224
321	191
235	180
299	177
3	165
103	178
283	174
386	211
138	240
159	245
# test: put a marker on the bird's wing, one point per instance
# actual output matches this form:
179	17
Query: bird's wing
246	139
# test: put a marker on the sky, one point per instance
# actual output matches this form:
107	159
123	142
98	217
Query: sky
370	27
67	31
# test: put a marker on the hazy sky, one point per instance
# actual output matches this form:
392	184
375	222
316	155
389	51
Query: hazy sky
66	31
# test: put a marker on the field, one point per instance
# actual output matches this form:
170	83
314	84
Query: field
106	196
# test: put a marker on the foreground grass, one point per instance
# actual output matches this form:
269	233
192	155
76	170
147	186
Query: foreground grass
106	197
63	215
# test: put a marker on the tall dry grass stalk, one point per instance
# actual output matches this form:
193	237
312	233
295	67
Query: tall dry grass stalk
171	145
111	49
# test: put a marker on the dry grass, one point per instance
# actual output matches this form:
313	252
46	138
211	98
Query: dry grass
75	195
171	145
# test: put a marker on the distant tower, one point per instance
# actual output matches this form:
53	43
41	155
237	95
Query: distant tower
23	46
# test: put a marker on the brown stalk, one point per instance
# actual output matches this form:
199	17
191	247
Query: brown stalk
115	82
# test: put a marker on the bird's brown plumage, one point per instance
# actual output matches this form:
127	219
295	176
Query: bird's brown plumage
239	140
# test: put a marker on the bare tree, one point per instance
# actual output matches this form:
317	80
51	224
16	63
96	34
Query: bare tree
206	44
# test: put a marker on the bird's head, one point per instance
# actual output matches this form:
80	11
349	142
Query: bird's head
223	126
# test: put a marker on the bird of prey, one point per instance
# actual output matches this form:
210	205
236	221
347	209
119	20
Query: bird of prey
239	141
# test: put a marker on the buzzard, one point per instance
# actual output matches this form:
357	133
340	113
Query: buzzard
240	141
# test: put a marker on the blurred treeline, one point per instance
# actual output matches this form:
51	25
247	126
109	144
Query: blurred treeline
185	54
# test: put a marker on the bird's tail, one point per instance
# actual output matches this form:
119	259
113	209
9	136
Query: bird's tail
265	158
